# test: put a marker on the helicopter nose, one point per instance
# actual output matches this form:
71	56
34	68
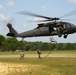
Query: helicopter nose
75	28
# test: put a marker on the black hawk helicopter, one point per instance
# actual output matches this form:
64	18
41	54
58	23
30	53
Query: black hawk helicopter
53	26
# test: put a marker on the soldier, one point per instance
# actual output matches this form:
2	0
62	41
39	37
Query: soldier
60	31
22	55
39	53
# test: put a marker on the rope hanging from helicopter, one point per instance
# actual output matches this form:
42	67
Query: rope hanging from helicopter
52	40
48	54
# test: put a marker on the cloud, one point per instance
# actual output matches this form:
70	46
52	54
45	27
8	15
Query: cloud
3	21
2	17
1	7
3	29
45	6
11	3
5	18
73	1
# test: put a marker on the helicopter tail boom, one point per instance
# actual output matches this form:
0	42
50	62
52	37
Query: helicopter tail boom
12	31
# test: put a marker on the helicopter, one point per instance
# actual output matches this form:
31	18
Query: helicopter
51	27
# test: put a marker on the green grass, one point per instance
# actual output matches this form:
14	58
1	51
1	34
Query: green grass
35	66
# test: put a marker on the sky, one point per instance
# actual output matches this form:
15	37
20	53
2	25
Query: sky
50	8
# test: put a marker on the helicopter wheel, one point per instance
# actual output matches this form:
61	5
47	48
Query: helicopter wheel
65	36
59	35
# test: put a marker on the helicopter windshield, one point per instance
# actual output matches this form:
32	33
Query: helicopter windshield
70	25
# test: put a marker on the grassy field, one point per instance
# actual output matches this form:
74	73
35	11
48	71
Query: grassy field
31	65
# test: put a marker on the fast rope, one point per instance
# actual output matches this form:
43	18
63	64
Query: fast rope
48	54
52	40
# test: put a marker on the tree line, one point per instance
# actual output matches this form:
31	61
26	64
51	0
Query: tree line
12	44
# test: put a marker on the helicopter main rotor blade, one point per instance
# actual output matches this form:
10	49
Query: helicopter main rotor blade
69	19
33	14
52	19
72	13
40	21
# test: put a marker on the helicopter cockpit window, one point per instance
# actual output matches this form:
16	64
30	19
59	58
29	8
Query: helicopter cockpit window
72	25
44	28
68	25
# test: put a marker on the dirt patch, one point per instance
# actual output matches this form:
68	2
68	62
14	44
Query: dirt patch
6	68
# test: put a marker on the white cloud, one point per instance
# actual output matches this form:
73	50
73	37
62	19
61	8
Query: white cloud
5	19
3	29
11	3
45	6
74	1
2	17
1	7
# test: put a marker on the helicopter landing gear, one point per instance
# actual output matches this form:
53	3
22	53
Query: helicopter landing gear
22	39
59	35
65	36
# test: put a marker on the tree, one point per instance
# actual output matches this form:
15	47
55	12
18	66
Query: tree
10	44
52	46
2	38
59	46
45	46
69	46
13	44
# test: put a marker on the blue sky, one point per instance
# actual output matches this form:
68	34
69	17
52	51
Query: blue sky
51	8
